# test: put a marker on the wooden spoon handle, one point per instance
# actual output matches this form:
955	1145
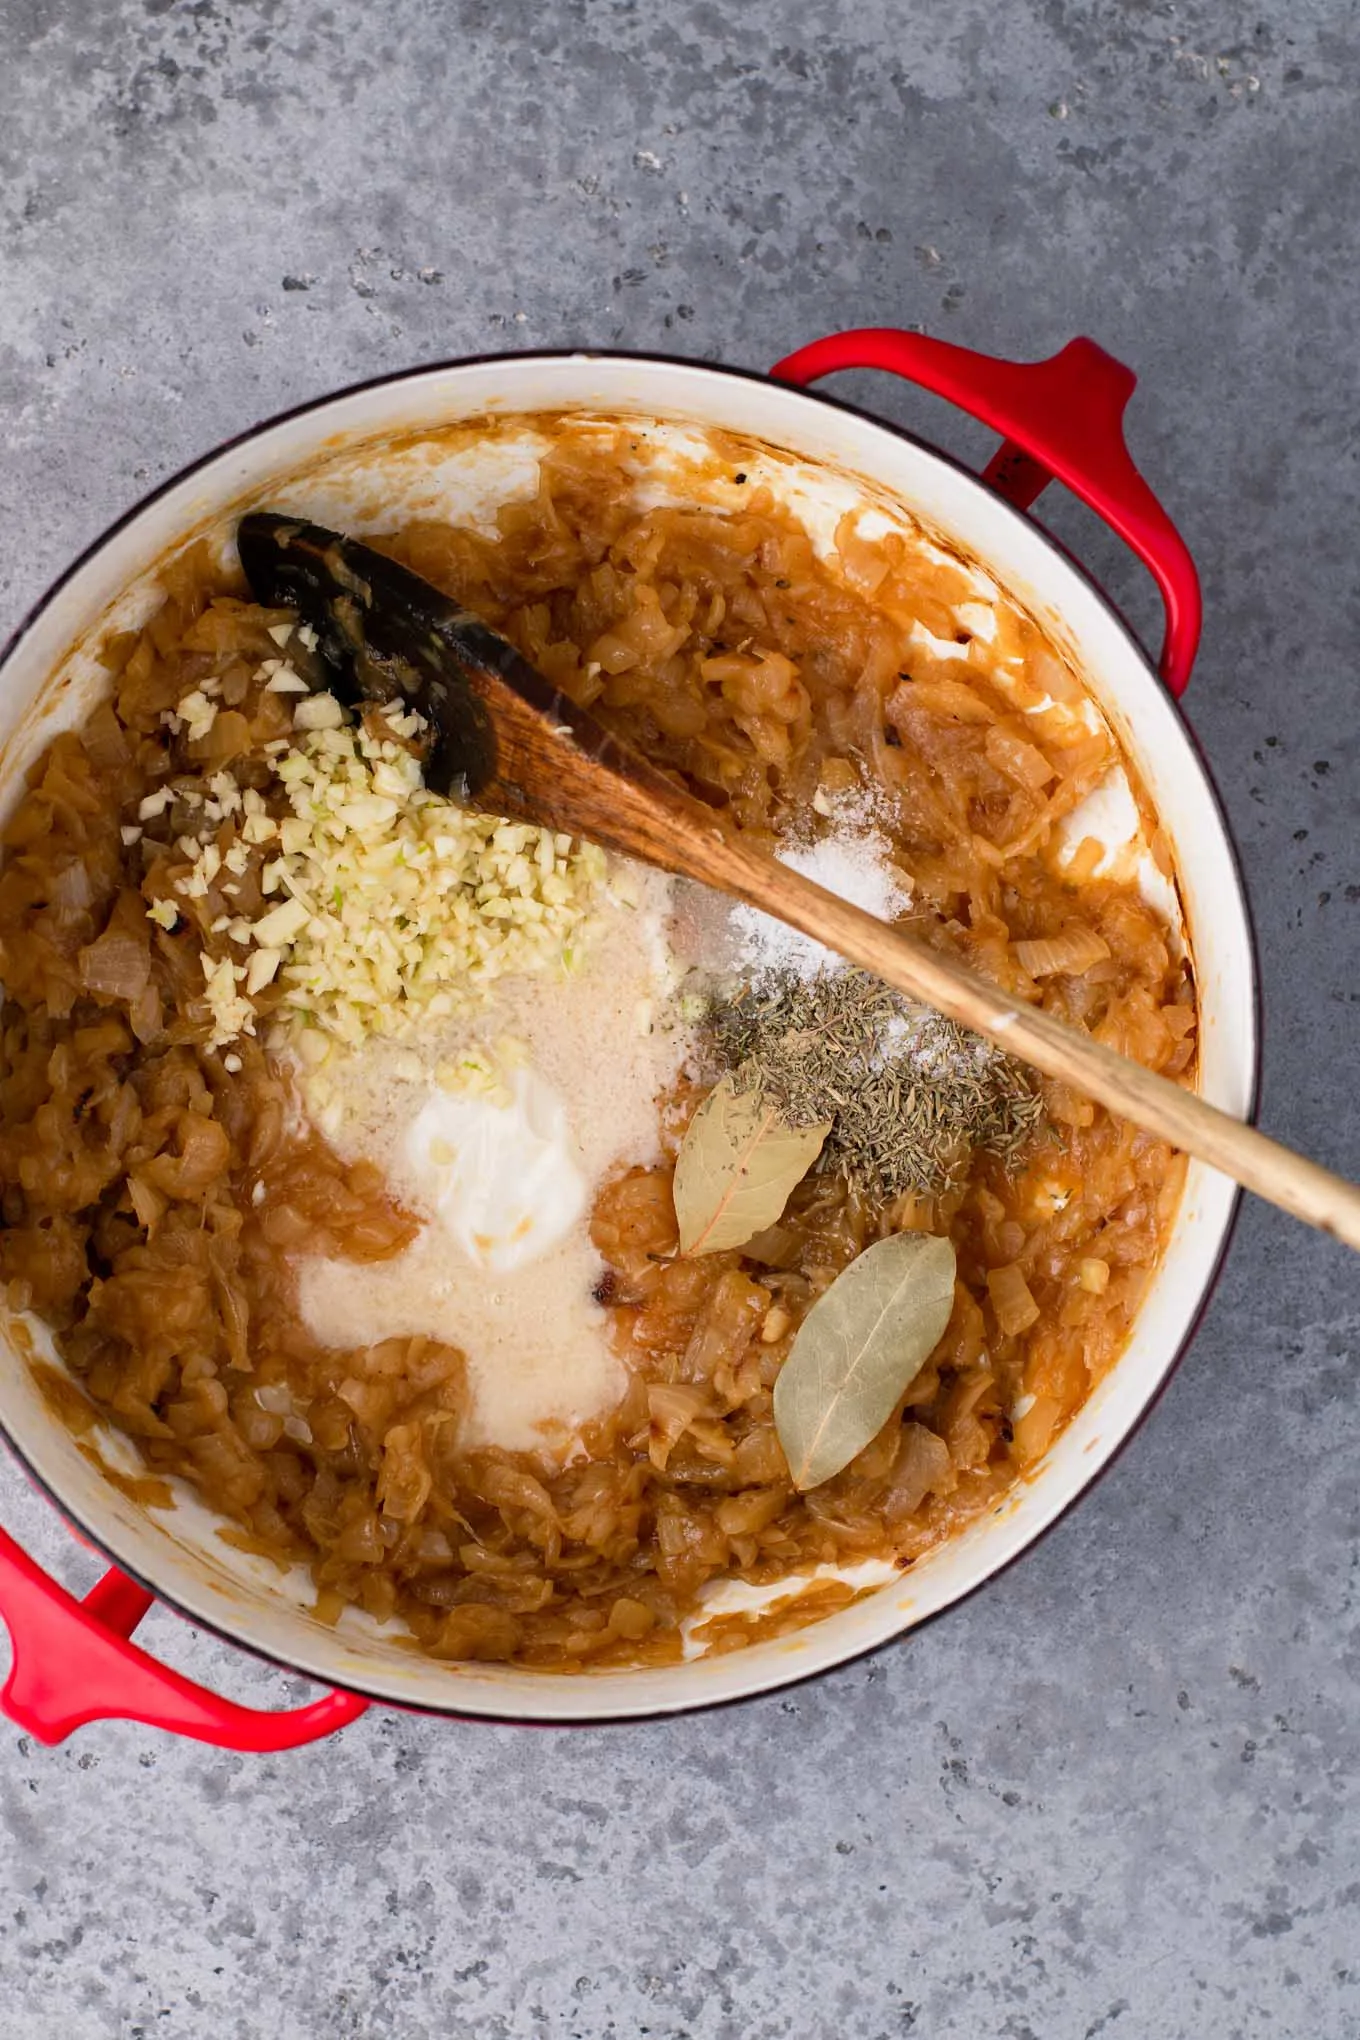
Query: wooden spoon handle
589	784
538	756
1189	1122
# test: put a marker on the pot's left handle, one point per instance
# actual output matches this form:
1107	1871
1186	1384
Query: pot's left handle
74	1662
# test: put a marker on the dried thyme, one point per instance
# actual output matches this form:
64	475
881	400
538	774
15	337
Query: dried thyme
910	1095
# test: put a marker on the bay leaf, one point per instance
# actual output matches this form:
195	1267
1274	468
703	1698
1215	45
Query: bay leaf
858	1348
738	1163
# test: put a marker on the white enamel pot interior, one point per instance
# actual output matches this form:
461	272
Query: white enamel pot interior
360	456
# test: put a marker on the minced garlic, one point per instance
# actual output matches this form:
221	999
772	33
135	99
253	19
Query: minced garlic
198	714
232	1012
387	903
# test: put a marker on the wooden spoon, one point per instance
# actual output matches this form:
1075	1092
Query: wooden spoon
513	743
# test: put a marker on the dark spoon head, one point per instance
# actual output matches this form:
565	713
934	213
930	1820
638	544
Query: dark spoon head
384	634
505	738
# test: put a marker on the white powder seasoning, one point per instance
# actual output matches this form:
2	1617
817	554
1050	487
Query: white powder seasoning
853	861
540	1364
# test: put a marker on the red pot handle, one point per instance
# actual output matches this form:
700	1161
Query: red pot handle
73	1663
1061	419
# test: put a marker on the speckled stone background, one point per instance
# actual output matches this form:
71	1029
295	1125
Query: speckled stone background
1118	1794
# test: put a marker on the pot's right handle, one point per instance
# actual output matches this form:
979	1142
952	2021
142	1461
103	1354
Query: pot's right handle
74	1662
1061	419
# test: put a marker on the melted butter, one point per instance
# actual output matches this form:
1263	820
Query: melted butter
593	1059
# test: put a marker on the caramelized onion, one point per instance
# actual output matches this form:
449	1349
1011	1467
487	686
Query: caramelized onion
155	1200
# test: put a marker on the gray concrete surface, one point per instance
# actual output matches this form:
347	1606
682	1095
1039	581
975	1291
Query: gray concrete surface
1116	1795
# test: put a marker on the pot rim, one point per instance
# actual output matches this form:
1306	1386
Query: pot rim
780	1682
